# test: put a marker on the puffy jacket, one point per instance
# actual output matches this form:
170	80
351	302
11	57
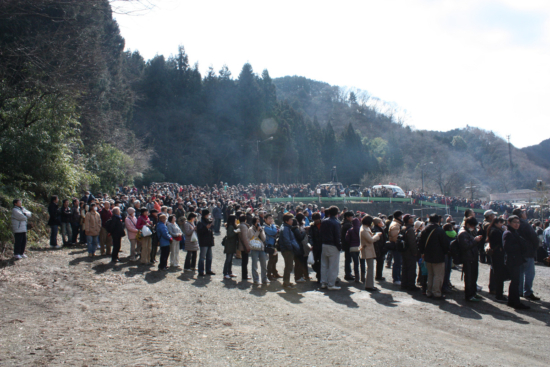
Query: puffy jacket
163	235
409	236
270	235
117	226
174	230
394	229
92	224
19	217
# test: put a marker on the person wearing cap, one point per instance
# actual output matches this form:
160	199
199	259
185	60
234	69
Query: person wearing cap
433	246
410	255
393	232
527	269
469	249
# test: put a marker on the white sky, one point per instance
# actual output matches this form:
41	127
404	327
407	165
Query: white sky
447	64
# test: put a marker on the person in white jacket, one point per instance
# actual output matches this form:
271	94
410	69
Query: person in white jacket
19	220
175	231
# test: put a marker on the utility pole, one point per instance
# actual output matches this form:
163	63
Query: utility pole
509	151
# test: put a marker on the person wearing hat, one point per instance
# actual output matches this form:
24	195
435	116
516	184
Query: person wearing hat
488	218
410	255
393	232
469	249
433	246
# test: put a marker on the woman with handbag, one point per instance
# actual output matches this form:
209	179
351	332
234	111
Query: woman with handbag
191	243
367	250
177	235
256	235
230	246
144	225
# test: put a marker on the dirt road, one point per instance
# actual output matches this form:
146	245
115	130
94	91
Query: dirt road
59	307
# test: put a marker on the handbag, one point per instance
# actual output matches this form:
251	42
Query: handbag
194	237
256	244
354	249
310	258
177	238
146	231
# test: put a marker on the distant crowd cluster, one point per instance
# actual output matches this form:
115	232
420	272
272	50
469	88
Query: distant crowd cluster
164	219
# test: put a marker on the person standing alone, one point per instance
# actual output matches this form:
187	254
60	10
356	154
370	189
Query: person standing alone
19	226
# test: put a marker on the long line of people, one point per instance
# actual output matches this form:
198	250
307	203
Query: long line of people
171	217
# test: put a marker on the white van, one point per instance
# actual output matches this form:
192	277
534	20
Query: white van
395	189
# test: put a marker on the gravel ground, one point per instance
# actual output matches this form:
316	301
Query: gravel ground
60	307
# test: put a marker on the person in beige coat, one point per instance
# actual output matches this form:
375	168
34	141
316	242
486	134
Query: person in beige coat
367	250
92	228
244	246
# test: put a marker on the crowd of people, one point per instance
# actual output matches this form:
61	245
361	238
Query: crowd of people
164	219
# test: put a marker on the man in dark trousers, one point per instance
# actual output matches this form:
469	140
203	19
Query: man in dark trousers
346	224
410	255
515	248
154	218
116	230
527	270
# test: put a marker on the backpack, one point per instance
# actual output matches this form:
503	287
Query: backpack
456	254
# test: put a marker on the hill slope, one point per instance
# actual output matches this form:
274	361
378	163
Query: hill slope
540	153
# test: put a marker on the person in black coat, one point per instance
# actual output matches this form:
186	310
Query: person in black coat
346	225
470	256
433	246
55	220
515	248
116	230
205	235
379	247
498	270
316	243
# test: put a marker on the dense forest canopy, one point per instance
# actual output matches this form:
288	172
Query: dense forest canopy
78	111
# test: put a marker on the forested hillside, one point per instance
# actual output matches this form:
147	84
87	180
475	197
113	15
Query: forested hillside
77	111
540	153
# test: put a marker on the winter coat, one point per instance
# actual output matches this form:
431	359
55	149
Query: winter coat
438	245
393	231
53	211
379	246
131	227
188	229
346	225
75	217
174	230
353	236
367	243
232	242
244	239
92	224
468	246
409	236
66	214
495	241
206	236
163	235
515	247
117	226
287	241
527	232
330	232
270	235
19	218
